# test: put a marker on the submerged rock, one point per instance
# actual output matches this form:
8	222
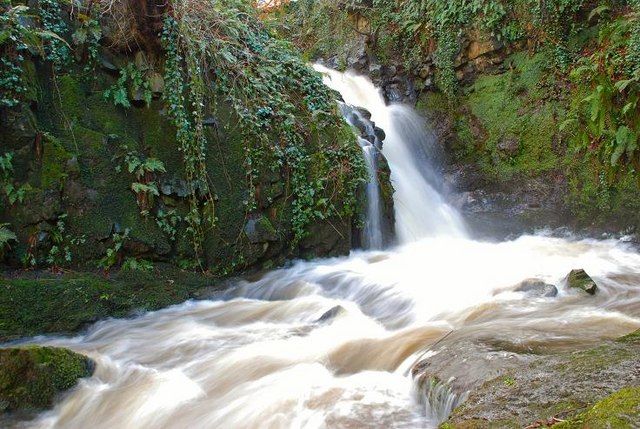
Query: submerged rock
579	279
30	377
536	288
331	314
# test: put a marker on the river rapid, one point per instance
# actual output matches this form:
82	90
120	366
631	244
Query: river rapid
331	343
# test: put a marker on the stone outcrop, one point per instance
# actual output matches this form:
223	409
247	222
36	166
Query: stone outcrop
30	377
579	279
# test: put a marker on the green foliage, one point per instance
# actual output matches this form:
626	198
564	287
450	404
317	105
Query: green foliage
16	39
168	222
56	49
131	79
60	253
13	192
114	253
408	29
133	264
143	169
281	106
6	236
86	38
607	123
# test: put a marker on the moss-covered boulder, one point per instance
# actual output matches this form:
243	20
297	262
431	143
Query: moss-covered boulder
579	279
30	377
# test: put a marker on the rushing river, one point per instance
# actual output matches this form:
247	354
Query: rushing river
331	343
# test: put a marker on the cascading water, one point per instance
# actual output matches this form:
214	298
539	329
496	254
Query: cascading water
373	225
369	142
334	343
420	209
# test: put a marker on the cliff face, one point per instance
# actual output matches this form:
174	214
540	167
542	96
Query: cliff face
121	149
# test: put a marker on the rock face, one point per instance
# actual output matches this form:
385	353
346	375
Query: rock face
30	377
537	388
73	150
579	279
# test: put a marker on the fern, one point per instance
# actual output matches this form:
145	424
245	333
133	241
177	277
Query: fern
6	236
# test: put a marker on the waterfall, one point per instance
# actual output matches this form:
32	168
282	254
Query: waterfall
369	142
373	224
420	209
353	342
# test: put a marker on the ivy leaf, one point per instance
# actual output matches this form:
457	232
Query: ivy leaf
79	36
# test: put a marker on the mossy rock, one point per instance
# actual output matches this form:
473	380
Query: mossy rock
30	377
65	304
579	279
620	410
563	386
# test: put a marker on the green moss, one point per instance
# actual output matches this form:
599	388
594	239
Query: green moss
30	79
66	304
633	337
70	96
30	377
621	410
512	111
54	157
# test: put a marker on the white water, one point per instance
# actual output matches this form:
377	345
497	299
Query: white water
420	209
260	357
373	224
329	344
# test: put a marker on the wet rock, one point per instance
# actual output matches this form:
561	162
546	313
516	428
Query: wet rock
394	94
30	377
543	386
77	195
136	93
260	230
375	71
363	112
579	279
210	122
331	314
358	60
142	61
111	61
156	83
19	129
536	288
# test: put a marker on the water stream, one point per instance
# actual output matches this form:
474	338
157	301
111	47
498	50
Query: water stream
330	343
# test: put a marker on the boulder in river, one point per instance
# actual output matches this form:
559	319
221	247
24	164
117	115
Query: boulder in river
536	288
331	314
30	377
579	279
